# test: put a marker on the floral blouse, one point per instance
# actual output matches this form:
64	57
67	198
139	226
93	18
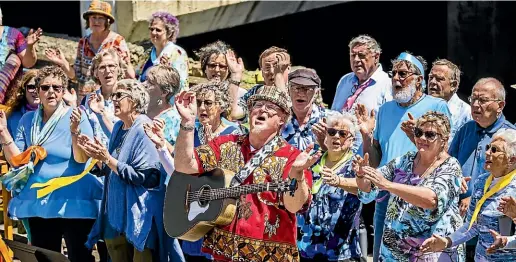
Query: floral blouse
406	225
329	227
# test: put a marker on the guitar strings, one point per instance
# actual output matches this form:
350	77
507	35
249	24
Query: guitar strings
219	193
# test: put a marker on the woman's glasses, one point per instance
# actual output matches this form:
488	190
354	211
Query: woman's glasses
213	66
429	135
207	103
492	148
342	133
30	88
117	96
57	89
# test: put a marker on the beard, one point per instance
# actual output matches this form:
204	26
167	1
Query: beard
406	94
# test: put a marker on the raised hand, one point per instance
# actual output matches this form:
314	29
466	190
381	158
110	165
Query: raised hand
34	36
94	149
186	105
70	97
4	132
56	56
235	66
164	60
366	120
464	184
155	134
434	244
408	127
376	177
464	205
329	177
499	242
282	63
319	130
208	135
96	103
75	120
305	160
508	206
359	163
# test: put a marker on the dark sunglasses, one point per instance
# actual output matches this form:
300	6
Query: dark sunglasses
30	88
493	149
402	74
117	96
342	133
57	89
429	135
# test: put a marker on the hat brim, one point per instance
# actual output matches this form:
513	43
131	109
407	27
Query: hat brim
259	97
91	12
303	81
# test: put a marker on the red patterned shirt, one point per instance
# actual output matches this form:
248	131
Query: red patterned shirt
262	229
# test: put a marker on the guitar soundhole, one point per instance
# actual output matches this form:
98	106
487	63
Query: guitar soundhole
204	196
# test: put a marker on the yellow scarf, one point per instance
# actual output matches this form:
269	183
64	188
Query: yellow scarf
504	181
318	168
58	182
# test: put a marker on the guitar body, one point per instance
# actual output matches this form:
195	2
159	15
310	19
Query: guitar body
192	221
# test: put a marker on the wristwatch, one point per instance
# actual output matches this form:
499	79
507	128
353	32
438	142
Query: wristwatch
234	82
76	133
186	128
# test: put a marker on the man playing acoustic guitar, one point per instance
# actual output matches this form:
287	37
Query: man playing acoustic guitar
264	227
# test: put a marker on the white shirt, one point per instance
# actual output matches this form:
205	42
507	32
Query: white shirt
460	114
377	93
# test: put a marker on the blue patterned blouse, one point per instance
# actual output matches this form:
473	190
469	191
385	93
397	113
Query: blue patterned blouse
328	227
406	225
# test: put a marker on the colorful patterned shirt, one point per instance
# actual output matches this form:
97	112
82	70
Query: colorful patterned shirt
85	54
172	120
406	225
329	225
488	218
301	137
12	42
262	227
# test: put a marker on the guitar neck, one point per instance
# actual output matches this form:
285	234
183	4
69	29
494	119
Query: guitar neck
233	192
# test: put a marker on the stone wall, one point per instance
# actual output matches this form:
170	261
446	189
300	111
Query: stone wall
68	46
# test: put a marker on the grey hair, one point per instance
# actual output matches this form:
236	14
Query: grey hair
219	90
97	59
455	70
509	136
500	89
334	117
366	40
166	77
137	92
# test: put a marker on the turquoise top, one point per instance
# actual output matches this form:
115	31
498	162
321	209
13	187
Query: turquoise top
78	200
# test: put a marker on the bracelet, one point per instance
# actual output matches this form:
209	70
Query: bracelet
7	143
234	82
186	128
76	133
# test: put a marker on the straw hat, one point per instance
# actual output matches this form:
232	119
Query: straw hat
101	8
273	95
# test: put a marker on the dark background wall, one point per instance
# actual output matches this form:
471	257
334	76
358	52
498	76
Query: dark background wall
478	36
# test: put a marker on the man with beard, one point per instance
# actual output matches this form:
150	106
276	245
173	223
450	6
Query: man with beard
468	146
264	227
443	82
389	140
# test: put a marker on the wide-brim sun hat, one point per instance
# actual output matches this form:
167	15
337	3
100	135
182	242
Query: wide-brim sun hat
101	8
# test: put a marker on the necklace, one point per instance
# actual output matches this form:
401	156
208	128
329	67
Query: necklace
429	168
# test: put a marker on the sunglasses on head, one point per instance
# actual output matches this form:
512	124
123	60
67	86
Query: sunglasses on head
57	89
30	88
492	148
342	133
429	135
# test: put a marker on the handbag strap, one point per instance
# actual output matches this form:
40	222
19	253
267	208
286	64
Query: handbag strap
264	152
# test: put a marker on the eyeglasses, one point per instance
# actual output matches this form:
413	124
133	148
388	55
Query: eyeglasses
493	149
57	89
103	68
269	108
304	89
207	103
342	133
213	66
117	96
481	100
30	88
429	135
403	74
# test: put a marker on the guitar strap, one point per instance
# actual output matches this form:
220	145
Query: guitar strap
255	161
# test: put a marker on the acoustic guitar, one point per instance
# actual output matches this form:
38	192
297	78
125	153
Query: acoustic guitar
196	204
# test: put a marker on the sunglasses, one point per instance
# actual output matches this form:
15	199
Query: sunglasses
207	103
342	133
57	89
402	74
30	88
221	67
492	148
117	96
429	135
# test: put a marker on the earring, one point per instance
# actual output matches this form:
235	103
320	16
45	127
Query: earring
160	102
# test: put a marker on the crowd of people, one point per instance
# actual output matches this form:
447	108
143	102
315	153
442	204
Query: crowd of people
433	175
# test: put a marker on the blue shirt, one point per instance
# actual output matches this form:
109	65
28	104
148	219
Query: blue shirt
469	144
393	141
77	200
301	137
460	114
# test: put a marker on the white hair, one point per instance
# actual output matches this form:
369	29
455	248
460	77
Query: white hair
1	16
509	136
366	40
499	88
334	117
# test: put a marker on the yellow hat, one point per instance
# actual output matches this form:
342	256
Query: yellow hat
99	7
